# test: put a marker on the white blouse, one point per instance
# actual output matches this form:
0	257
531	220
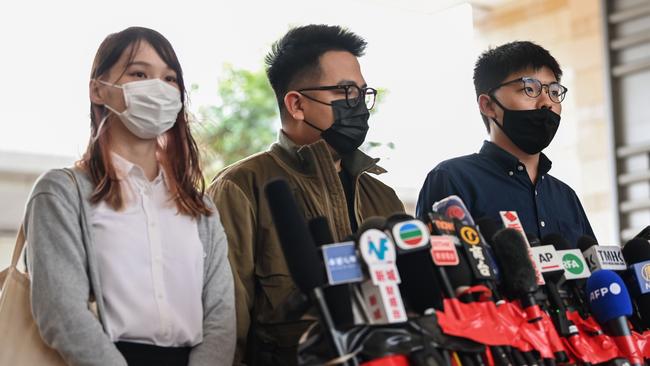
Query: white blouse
150	261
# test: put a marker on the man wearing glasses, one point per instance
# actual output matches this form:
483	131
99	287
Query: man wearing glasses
520	100
324	107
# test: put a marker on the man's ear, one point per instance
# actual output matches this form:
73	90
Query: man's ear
293	105
96	92
487	106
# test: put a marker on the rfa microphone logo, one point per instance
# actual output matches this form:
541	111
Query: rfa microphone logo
411	235
599	293
573	264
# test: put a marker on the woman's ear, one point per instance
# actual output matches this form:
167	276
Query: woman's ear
96	92
487	106
293	105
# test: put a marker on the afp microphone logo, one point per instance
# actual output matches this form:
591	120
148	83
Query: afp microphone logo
614	289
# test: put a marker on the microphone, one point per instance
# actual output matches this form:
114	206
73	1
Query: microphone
533	240
512	255
420	287
488	228
336	258
550	263
381	292
576	271
453	207
475	251
637	254
511	220
610	304
598	257
300	252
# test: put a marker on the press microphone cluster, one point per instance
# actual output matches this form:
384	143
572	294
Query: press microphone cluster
452	290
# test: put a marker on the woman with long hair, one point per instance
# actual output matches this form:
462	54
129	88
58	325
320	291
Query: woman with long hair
127	256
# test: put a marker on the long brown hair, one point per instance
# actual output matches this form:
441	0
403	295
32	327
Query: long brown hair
178	152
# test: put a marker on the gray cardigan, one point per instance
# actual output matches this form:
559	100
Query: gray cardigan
63	270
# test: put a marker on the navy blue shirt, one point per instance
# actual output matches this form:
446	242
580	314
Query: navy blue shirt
494	180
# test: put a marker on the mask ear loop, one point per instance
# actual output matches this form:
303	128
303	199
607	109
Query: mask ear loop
100	128
110	110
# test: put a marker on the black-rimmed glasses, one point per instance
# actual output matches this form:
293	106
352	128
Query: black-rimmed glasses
353	94
533	88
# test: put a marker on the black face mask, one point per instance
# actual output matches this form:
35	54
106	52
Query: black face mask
530	130
349	129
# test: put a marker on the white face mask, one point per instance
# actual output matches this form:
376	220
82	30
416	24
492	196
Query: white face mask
151	107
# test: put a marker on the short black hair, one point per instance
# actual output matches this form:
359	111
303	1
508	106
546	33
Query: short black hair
495	64
294	58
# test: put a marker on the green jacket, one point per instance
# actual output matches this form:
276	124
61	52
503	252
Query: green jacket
267	299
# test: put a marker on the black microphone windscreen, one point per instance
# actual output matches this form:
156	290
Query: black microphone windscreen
512	255
488	228
533	240
397	218
320	231
372	222
636	250
420	287
337	297
585	242
461	274
557	241
297	244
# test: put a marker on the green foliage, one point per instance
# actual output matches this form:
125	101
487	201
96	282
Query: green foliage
242	123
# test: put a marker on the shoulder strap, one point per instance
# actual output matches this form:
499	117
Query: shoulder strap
20	237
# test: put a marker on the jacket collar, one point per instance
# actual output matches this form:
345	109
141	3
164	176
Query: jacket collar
302	158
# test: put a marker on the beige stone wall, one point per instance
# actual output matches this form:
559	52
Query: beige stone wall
572	31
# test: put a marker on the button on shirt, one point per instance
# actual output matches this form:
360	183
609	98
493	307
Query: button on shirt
494	180
150	261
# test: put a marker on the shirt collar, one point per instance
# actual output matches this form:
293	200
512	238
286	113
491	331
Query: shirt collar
125	168
508	161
